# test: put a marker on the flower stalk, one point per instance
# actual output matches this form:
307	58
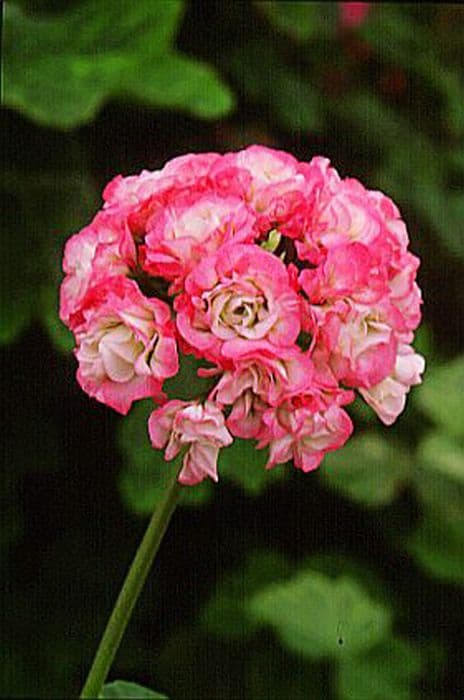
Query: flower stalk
131	590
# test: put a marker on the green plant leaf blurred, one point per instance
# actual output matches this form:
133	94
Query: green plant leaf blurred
243	464
441	395
417	180
387	671
442	454
398	38
196	665
60	69
438	540
322	617
369	469
225	615
44	207
187	385
300	20
126	689
292	101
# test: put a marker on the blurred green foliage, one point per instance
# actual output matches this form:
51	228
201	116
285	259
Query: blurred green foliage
124	689
343	584
60	71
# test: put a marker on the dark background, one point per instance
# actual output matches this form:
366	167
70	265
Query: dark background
385	102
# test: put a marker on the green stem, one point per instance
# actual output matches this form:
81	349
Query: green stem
130	591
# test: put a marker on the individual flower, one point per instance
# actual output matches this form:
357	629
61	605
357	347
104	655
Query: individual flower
341	212
349	271
241	292
388	397
101	250
139	197
191	227
125	344
197	428
262	376
304	431
405	295
266	166
358	341
128	193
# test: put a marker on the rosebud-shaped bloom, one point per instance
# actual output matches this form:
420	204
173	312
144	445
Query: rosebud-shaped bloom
140	197
128	193
342	213
192	227
126	345
348	272
275	187
359	341
263	376
241	292
103	249
304	433
405	294
198	428
388	398
266	166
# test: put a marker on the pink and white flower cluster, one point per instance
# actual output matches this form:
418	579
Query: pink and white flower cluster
295	288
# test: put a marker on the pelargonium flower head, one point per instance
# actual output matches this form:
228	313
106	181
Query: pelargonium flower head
197	428
241	292
297	284
126	344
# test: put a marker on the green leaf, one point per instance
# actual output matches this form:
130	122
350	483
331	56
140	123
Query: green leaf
197	665
263	76
49	303
187	385
370	470
424	343
46	207
442	454
400	40
439	549
300	20
243	464
441	496
60	69
440	396
438	540
321	617
125	689
423	175
386	672
145	474
225	614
